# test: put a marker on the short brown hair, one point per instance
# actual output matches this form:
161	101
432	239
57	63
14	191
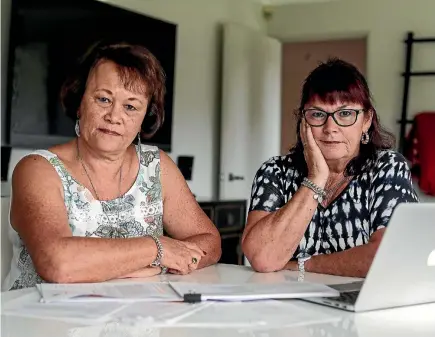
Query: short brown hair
135	65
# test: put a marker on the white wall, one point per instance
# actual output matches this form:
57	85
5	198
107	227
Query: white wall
385	23
197	81
197	77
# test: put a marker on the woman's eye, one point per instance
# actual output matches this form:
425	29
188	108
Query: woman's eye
345	113
130	107
103	100
318	114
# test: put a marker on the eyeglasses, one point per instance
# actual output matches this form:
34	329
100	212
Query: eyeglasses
342	117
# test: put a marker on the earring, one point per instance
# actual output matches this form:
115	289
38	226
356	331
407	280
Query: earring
365	138
77	128
139	147
138	141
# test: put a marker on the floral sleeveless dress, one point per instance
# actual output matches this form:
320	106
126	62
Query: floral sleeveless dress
139	212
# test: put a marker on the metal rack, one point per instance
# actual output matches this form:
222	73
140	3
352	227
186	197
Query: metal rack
407	74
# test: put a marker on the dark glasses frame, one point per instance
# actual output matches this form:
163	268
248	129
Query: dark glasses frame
332	114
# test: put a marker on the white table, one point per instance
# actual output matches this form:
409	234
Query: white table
292	318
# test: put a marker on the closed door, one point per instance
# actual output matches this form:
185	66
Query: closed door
298	60
251	107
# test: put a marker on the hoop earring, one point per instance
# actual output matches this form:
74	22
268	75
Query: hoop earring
365	138
138	141
139	148
77	128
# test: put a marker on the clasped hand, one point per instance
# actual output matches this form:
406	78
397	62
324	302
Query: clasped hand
179	257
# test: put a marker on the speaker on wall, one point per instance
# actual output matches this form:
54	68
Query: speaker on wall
5	157
185	164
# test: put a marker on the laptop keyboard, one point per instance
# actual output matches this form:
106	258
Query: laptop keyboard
347	297
353	286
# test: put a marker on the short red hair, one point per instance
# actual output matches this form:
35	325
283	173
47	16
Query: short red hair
339	81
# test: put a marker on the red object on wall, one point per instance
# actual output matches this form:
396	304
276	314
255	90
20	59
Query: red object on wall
420	150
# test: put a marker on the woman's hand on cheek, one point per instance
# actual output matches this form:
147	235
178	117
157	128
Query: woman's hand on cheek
318	170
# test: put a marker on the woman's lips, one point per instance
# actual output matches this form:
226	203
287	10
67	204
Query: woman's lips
109	132
330	142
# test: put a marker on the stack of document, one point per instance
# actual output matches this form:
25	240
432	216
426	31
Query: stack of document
180	291
126	302
196	292
96	292
29	305
254	318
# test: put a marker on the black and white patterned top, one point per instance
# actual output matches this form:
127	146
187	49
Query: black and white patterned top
362	208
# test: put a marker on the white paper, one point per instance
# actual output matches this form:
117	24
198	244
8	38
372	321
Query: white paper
29	305
103	292
256	315
157	314
252	291
113	329
141	319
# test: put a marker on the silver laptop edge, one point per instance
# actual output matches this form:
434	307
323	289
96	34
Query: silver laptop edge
401	273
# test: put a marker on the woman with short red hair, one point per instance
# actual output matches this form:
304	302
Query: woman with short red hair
324	206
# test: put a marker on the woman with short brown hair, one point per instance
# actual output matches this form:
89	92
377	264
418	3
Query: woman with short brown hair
94	208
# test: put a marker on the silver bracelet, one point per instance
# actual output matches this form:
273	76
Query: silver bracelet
319	193
301	266
156	262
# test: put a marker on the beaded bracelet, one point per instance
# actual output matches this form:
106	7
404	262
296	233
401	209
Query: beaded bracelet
156	262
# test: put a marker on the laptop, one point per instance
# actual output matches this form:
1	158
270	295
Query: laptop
403	270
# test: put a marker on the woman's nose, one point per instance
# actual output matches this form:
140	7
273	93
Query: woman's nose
330	125
114	115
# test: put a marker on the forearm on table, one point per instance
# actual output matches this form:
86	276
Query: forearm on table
143	273
354	262
210	244
272	241
80	259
